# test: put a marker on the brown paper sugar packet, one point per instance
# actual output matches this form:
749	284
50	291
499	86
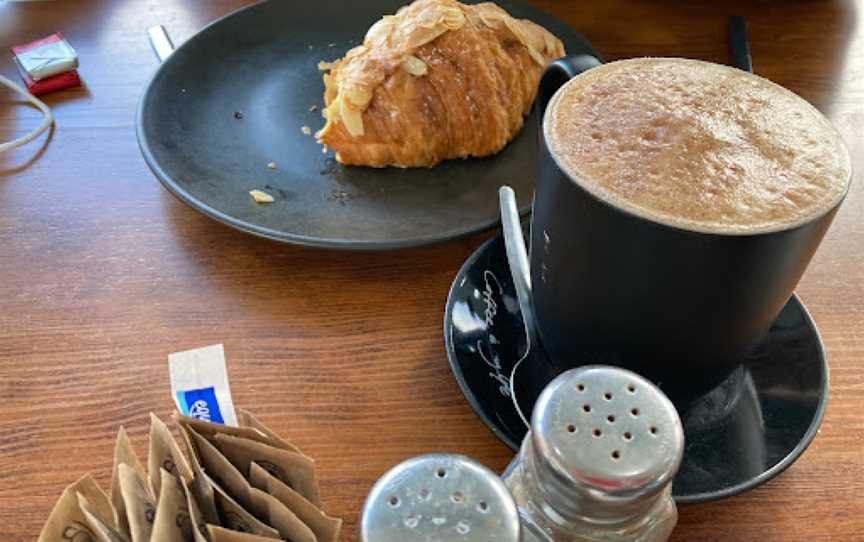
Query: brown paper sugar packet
172	523
246	419
138	503
219	469
196	517
277	515
199	487
221	534
67	521
295	470
206	460
209	430
234	516
123	454
98	525
326	528
164	454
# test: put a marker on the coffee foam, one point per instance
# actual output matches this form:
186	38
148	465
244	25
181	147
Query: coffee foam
697	145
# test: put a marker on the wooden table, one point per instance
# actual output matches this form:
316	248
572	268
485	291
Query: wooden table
103	273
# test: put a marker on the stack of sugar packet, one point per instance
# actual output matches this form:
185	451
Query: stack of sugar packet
47	64
245	484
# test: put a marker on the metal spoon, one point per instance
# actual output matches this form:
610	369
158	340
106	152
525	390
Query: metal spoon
517	260
517	257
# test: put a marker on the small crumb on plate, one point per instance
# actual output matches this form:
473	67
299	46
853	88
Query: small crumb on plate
260	196
271	165
306	130
238	115
313	107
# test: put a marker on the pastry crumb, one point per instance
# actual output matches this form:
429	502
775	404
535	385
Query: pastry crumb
332	45
261	197
306	130
313	107
238	115
271	165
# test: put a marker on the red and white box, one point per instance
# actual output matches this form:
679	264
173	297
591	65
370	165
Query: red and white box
47	64
46	57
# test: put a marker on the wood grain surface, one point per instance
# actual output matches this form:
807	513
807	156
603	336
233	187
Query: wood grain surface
103	273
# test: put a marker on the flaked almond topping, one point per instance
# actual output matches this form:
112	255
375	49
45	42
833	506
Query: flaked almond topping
351	118
358	96
415	66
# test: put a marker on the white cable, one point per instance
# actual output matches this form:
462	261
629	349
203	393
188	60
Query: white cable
46	122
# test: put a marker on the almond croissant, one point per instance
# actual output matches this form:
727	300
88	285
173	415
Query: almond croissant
436	81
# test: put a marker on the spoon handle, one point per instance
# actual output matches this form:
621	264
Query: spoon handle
160	41
517	257
739	44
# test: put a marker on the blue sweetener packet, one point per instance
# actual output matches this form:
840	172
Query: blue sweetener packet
199	384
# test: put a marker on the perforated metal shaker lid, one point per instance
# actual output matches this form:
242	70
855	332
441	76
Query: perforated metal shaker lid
606	443
439	498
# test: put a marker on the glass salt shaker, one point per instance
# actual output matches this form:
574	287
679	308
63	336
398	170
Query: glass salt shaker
440	498
599	460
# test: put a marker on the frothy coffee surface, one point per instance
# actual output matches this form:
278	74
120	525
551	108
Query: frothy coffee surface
697	145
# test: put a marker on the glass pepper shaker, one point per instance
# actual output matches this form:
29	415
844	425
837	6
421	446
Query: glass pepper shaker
439	498
599	460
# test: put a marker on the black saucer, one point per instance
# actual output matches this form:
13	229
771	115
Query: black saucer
744	432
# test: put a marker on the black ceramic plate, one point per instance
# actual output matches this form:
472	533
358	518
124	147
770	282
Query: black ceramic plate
262	61
744	432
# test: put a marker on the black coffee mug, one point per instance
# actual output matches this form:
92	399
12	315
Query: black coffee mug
680	307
